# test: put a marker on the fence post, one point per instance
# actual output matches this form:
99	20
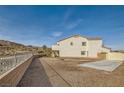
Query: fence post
1	66
15	59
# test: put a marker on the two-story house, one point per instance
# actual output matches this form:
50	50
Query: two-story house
79	46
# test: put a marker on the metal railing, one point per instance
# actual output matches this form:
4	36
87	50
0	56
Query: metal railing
7	63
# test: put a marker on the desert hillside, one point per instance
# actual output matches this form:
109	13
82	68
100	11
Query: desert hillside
8	48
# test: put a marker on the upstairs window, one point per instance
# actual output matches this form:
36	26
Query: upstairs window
83	43
71	43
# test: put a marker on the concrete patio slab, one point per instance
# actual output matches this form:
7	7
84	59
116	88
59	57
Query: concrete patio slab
107	65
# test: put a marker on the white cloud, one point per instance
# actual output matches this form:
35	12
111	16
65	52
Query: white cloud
67	14
66	23
57	34
74	24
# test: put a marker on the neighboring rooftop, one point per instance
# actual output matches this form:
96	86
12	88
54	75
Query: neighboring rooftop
106	47
121	51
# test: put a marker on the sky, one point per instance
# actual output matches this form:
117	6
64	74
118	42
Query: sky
45	25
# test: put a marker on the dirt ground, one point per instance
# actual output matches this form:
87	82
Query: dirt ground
86	77
58	72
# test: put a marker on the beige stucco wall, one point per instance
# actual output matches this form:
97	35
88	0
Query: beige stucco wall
115	56
55	47
106	50
66	50
94	47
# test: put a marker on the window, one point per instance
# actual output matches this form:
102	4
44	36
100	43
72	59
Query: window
83	43
83	52
71	43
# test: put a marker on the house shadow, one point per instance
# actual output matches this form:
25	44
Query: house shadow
35	76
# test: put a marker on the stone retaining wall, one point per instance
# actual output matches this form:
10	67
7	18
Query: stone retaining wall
12	78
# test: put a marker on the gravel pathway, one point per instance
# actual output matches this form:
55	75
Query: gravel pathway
35	76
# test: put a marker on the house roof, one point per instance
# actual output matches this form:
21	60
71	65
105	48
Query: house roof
89	38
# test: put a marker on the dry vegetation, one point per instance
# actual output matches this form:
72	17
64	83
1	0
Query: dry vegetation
8	48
